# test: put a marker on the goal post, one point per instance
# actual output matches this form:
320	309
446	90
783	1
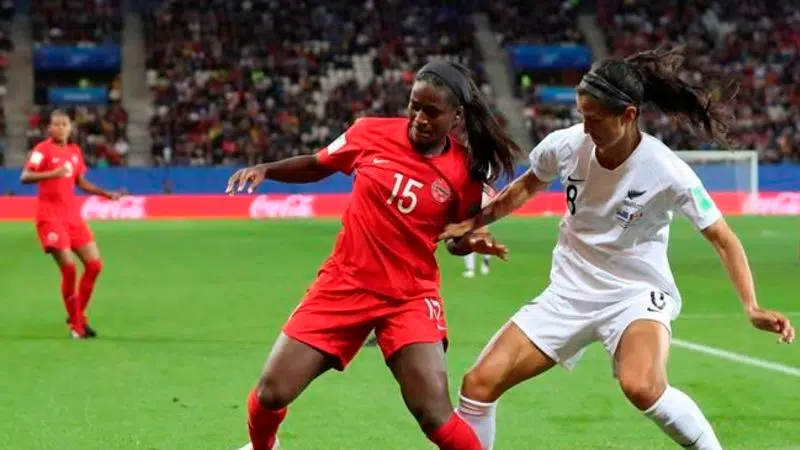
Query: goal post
734	171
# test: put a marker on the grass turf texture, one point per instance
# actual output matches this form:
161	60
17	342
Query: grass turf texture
187	312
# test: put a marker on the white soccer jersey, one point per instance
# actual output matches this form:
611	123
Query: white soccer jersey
613	239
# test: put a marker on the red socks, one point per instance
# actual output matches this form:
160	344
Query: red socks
68	294
86	285
262	423
456	434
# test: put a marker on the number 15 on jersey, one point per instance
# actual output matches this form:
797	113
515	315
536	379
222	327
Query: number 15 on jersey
408	197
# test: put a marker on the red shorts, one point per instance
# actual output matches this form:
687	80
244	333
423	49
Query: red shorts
63	235
337	320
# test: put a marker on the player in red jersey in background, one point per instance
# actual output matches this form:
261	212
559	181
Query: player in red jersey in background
411	178
57	165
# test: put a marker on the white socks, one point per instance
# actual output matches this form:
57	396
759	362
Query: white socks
482	417
469	262
681	419
674	412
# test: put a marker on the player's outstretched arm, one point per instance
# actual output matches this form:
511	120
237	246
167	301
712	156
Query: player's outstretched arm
509	199
93	189
297	169
30	177
734	258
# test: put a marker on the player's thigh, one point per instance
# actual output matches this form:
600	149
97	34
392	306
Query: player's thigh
650	314
421	372
641	362
637	336
508	359
290	368
643	349
82	241
62	257
88	252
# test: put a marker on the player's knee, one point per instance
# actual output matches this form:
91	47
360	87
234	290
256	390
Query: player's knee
273	393
431	413
431	405
642	388
479	385
94	266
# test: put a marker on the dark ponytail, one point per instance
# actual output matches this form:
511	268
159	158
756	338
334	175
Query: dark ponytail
492	152
653	77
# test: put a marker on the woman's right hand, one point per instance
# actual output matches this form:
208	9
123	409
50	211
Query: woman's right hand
248	178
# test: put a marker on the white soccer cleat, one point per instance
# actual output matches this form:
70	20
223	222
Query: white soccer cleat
484	270
469	274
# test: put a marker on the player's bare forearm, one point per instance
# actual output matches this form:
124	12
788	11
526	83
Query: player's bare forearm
510	198
30	177
297	169
91	188
734	259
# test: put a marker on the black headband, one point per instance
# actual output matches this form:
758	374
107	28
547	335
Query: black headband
450	76
603	90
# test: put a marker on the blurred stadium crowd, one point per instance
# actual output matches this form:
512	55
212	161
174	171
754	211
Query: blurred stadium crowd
260	80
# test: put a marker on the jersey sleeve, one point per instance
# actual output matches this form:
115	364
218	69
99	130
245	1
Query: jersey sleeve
35	159
344	151
692	199
544	157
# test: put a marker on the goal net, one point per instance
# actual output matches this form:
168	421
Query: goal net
732	174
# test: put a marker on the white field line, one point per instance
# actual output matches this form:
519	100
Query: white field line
731	315
737	357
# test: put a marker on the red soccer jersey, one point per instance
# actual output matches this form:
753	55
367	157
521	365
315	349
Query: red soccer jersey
401	202
57	199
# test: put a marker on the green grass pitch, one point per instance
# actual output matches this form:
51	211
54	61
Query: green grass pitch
187	313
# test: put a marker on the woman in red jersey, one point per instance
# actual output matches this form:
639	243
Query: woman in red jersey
412	177
57	165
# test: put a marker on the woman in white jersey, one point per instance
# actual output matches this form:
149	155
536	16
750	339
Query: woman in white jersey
610	279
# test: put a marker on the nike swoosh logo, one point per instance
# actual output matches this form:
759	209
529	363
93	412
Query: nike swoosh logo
575	180
633	194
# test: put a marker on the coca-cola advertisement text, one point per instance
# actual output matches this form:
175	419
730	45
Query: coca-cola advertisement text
151	207
129	207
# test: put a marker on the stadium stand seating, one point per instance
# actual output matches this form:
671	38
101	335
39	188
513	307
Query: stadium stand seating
6	46
261	80
756	44
100	130
550	22
76	21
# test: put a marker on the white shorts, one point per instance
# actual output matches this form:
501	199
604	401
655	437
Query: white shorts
563	328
